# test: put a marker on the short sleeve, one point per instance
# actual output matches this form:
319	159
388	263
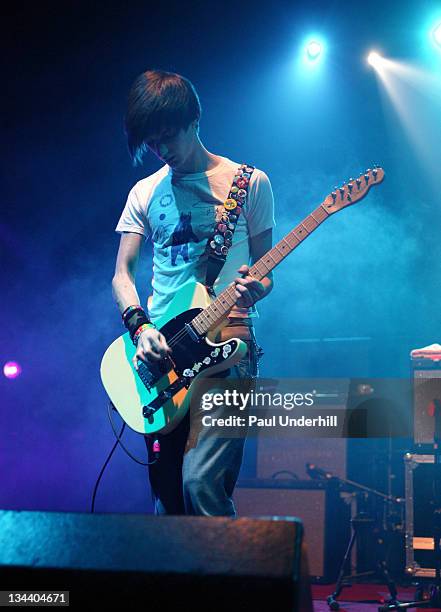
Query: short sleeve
133	218
259	211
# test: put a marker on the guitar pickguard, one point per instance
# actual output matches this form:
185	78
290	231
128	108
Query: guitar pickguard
189	356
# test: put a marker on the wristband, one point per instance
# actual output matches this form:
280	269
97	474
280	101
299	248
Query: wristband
134	317
129	311
139	331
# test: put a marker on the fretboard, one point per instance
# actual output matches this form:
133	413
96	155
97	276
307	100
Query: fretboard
213	315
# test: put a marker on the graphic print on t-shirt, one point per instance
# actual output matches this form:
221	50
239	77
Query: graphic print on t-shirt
181	236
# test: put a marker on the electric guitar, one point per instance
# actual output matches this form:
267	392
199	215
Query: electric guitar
157	396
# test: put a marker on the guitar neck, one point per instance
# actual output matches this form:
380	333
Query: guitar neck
213	315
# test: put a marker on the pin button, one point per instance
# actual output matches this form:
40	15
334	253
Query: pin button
230	204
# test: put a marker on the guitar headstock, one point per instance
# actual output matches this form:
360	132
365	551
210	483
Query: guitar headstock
353	191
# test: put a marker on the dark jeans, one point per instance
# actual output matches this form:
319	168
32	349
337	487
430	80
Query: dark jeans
197	469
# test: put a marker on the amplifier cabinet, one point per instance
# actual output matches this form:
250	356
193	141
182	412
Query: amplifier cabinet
419	475
319	505
426	388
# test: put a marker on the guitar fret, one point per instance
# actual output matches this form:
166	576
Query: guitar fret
310	223
269	254
294	238
317	215
301	232
197	325
261	263
283	253
322	207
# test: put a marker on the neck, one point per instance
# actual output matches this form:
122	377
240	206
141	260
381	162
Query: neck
199	160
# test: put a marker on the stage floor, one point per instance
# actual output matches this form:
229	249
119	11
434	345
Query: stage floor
361	597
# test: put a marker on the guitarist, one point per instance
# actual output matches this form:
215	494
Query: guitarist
177	207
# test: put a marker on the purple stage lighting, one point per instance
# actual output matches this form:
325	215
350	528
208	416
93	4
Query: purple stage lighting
11	369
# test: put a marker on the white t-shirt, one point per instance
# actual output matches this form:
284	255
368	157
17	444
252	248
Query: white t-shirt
179	211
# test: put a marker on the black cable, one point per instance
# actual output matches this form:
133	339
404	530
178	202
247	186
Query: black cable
118	441
118	437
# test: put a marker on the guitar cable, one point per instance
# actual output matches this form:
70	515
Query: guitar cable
156	452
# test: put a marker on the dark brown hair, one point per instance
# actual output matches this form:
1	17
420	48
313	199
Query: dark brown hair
160	104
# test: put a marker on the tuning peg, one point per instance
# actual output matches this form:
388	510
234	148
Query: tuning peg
342	192
358	181
350	186
375	172
334	196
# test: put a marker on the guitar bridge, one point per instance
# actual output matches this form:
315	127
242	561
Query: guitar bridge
152	373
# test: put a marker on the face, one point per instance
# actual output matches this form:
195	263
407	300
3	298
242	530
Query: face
174	149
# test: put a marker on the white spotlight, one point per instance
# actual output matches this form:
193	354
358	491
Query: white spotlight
374	59
313	50
436	33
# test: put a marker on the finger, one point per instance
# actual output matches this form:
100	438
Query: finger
244	269
153	352
242	292
244	281
165	347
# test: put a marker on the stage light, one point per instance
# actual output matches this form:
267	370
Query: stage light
374	59
313	50
436	34
11	369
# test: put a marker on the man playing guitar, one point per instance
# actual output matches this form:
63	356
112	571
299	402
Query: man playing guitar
178	208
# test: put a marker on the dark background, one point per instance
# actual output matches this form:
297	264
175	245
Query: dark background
353	300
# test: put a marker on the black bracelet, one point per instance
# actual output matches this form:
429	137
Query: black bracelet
135	319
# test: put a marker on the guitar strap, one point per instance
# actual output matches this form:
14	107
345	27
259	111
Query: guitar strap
220	242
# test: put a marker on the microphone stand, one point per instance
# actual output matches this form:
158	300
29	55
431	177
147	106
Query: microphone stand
362	518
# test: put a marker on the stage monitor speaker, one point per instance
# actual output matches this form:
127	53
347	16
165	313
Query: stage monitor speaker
324	514
195	563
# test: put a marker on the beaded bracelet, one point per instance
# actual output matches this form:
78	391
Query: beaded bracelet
139	331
